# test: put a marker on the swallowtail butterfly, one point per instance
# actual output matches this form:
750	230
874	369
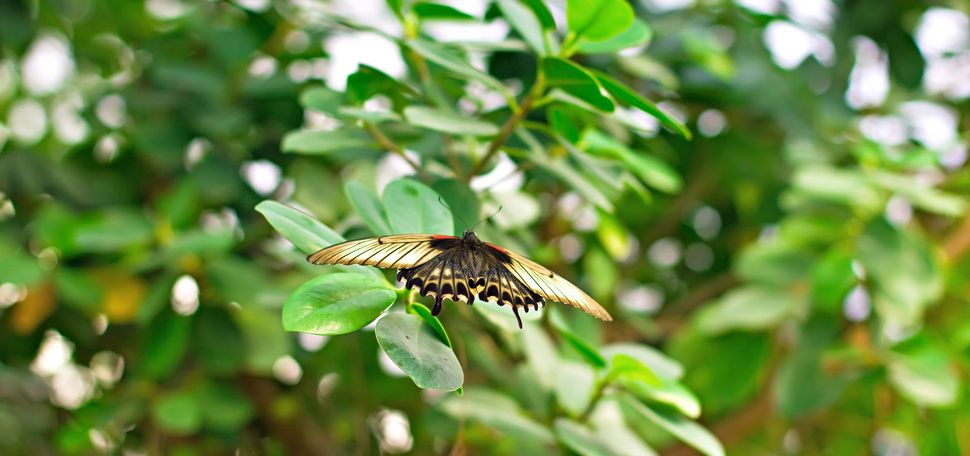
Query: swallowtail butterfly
461	269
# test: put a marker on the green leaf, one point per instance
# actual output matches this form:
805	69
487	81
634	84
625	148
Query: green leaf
524	21
776	264
429	11
414	208
901	294
542	13
419	352
314	142
432	321
824	183
337	303
749	308
922	372
498	411
368	207
178	413
305	232
575	80
684	429
651	170
626	367
166	341
368	81
448	122
922	195
580	438
322	99
803	385
657	361
668	392
540	354
224	407
628	97
598	20
585	349
638	34
441	55
219	343
265	343
112	230
574	383
462	202
832	279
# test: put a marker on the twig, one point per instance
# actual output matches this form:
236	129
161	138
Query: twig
390	146
597	395
503	135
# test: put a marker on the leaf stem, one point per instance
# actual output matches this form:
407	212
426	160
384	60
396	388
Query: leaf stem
390	146
503	135
597	395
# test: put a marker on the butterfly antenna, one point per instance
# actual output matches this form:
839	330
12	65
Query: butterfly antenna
443	203
487	218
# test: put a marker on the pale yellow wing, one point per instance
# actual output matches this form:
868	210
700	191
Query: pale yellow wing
391	252
552	286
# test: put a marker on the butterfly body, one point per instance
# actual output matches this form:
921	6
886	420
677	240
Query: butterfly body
461	269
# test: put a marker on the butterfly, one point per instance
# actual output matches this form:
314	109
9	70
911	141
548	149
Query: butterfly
461	269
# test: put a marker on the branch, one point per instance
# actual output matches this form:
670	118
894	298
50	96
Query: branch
957	242
389	146
503	135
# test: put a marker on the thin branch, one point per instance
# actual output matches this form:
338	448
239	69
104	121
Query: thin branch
503	135
593	401
390	146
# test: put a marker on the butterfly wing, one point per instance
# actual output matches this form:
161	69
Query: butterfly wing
397	251
550	285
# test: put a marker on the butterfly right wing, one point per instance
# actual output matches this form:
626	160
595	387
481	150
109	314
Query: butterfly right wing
391	252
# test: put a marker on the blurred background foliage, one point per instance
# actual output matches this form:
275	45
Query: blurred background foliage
794	277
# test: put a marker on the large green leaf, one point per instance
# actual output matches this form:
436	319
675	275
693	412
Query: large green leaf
432	11
684	429
598	20
418	352
574	383
448	122
337	303
575	80
368	207
412	207
305	232
657	361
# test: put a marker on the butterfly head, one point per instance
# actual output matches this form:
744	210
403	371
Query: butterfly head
469	236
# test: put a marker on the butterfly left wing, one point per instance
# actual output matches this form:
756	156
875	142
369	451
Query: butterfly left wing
550	285
397	251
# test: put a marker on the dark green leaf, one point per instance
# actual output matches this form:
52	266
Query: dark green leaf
429	11
575	80
178	413
432	321
628	97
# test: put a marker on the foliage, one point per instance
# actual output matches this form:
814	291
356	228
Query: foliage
784	276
